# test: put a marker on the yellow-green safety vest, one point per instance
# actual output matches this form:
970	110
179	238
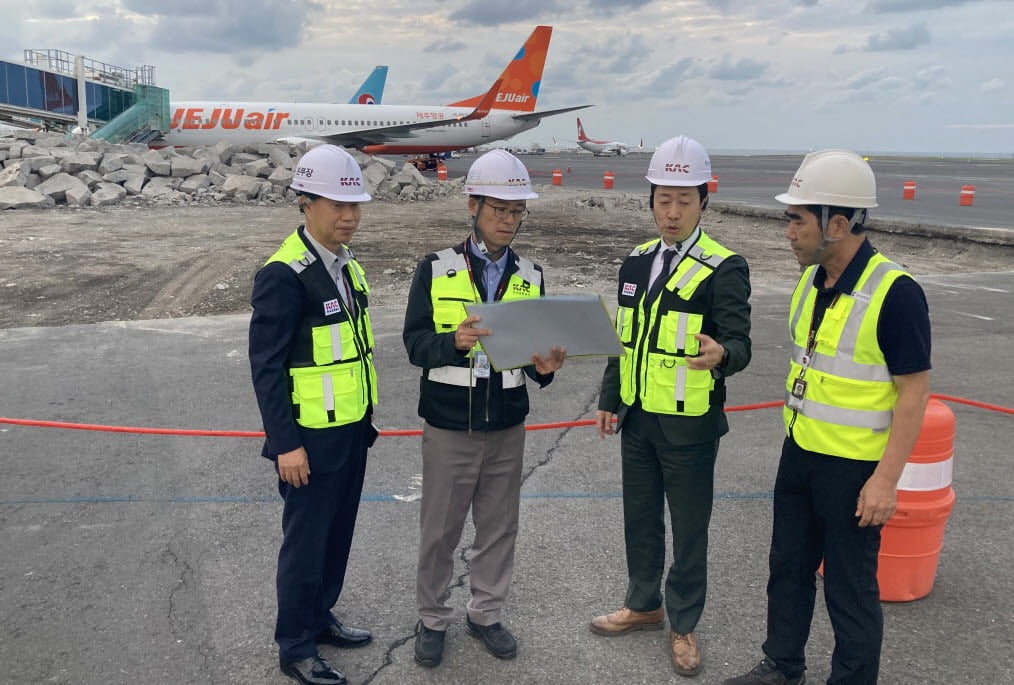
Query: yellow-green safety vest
452	288
849	395
658	341
333	381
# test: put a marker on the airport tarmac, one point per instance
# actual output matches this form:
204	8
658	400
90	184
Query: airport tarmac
149	558
756	180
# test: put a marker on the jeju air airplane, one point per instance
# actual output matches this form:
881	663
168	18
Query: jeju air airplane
506	109
372	90
601	148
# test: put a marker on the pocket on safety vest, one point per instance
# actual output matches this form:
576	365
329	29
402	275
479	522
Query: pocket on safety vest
447	314
333	343
672	387
326	397
624	323
676	333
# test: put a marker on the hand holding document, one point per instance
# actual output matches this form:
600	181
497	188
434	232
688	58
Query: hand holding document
576	325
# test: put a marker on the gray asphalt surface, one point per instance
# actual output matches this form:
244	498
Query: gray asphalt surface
141	558
756	180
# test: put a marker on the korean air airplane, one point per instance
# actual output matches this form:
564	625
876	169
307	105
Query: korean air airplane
372	90
506	109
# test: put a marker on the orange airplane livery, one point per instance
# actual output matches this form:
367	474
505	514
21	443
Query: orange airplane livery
506	109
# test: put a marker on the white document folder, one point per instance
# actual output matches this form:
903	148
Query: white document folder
522	328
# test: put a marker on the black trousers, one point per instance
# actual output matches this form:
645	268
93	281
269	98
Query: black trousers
814	519
655	471
318	520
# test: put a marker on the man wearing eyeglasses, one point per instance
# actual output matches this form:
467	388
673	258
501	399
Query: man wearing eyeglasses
474	435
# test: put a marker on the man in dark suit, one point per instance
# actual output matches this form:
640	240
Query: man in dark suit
312	362
683	317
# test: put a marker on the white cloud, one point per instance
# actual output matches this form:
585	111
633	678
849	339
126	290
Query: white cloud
991	85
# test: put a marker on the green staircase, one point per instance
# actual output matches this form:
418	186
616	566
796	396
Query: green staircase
144	121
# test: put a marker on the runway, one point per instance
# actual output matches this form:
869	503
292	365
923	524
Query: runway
756	180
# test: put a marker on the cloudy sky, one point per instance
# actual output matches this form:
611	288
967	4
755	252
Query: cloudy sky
872	75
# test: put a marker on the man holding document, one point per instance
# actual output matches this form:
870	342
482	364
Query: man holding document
683	317
474	435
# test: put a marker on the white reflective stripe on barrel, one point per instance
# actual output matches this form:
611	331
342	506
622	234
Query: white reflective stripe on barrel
924	477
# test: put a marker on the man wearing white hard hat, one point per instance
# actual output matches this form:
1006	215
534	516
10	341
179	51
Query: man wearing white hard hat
683	316
474	436
855	394
311	355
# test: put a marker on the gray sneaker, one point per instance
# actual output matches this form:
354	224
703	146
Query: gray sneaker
765	673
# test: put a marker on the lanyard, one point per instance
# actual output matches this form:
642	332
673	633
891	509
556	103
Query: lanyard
811	337
471	277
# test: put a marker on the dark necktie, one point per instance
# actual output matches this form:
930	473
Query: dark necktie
663	275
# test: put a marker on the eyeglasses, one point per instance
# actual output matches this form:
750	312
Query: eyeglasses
503	213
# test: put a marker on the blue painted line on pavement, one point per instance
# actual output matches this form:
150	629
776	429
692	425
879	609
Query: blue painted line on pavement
383	497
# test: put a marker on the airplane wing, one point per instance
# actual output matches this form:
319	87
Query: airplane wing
537	116
379	135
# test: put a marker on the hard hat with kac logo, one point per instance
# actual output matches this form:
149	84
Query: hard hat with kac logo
331	172
835	178
499	174
679	161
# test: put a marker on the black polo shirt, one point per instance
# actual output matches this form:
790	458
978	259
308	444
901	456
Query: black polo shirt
903	330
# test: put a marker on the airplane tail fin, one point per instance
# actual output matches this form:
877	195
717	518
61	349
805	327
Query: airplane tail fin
372	90
522	77
580	131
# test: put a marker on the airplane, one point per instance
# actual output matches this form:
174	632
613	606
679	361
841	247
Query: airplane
376	129
372	90
601	148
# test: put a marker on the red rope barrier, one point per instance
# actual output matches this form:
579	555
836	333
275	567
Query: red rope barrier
405	432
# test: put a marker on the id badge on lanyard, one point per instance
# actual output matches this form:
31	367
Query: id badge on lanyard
480	365
798	392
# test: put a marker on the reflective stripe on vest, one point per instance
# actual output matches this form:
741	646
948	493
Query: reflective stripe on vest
338	383
849	399
654	369
463	376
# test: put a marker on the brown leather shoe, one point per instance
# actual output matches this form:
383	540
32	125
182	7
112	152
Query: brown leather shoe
626	620
686	654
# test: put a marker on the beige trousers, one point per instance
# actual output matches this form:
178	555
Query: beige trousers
481	471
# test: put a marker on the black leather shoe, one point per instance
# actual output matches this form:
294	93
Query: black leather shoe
343	636
429	645
497	639
313	671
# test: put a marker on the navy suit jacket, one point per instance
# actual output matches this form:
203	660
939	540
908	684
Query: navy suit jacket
279	302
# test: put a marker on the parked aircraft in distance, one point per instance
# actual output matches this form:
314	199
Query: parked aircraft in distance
395	129
372	90
601	148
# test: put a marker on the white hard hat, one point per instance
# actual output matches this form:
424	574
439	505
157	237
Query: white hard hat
679	161
499	174
331	172
837	178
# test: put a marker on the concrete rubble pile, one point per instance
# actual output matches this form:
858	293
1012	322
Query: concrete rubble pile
45	170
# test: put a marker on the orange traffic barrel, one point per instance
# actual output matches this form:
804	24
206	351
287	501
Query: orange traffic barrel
911	540
557	177
441	172
967	196
908	190
607	180
713	184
